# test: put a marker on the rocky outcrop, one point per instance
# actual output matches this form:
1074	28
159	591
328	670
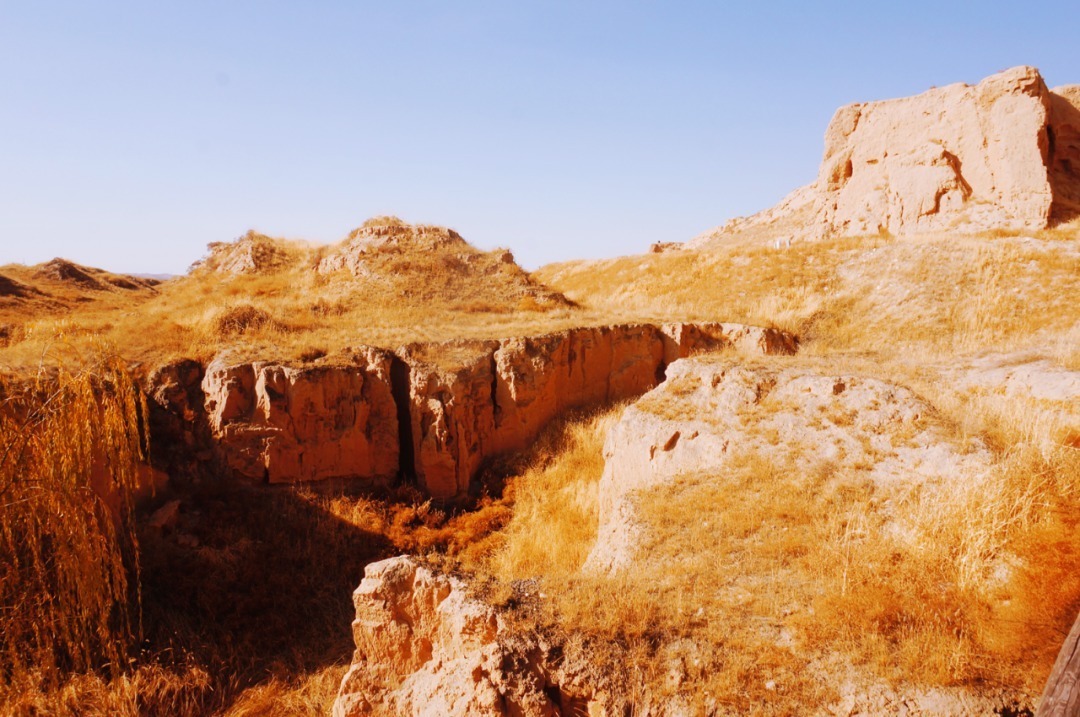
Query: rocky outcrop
707	413
388	235
432	413
284	424
253	254
1004	153
974	154
499	400
424	647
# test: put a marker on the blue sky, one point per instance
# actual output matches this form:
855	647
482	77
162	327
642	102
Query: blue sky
131	134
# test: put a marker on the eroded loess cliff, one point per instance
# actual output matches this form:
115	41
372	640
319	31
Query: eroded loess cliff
433	413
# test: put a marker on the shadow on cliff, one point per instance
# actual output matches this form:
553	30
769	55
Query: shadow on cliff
1064	160
249	584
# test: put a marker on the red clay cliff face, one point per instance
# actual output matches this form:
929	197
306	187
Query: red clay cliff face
285	424
402	414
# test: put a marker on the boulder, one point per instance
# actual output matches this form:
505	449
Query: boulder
424	647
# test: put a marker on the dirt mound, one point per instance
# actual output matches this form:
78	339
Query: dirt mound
11	288
87	278
69	273
252	253
426	261
58	287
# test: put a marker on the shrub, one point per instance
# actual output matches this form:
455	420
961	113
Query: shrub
242	318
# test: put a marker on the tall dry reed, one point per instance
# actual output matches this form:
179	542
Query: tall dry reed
70	450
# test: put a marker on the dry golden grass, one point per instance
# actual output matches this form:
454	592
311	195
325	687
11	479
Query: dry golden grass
70	450
774	567
246	602
759	571
935	296
287	306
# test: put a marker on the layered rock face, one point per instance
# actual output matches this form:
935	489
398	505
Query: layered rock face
409	414
1004	153
283	424
500	400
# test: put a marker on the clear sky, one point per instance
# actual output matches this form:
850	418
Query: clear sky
131	134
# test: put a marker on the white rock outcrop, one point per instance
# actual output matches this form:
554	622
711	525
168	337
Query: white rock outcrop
425	648
709	412
1001	154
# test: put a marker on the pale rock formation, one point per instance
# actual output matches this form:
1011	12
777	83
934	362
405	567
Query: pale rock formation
388	235
424	647
708	412
951	154
285	424
1039	379
1002	154
250	254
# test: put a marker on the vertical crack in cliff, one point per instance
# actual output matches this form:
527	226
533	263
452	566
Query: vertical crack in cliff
661	371
496	410
400	375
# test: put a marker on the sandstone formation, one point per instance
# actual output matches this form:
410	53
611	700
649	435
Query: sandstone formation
426	646
956	154
411	415
1004	153
707	413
